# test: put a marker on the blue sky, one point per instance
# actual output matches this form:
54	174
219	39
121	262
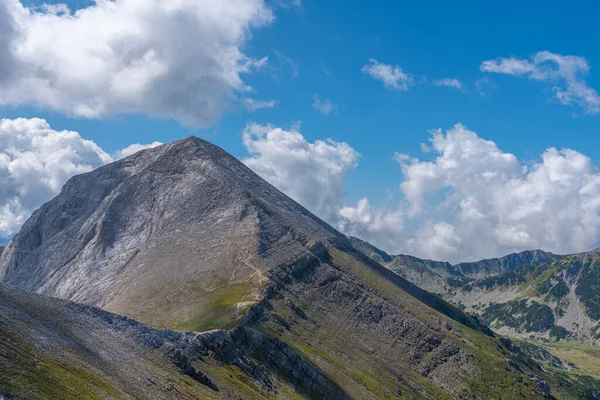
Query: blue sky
320	49
435	39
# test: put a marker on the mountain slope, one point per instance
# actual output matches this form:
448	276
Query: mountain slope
557	300
156	232
498	266
427	274
185	236
53	349
528	294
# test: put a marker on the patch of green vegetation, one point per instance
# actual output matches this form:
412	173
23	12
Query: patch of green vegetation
382	386
544	287
588	289
31	374
235	377
554	288
559	290
220	310
520	315
289	393
458	281
512	278
558	332
371	383
585	357
494	378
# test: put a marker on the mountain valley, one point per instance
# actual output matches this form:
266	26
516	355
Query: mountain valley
528	295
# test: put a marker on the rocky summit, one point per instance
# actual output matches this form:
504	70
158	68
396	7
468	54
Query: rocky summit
178	236
180	273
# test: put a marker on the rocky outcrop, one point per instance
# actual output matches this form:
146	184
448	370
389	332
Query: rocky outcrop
109	340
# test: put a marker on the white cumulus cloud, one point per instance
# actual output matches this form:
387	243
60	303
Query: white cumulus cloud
392	76
174	59
566	74
134	148
473	201
36	161
449	82
464	199
311	173
383	227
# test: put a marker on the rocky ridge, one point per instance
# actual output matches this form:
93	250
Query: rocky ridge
62	350
533	294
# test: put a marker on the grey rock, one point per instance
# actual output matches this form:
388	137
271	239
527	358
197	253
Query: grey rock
148	235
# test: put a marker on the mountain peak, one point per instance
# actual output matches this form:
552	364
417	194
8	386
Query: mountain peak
144	233
184	236
197	142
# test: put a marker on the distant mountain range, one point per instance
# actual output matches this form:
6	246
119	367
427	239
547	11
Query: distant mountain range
240	292
532	294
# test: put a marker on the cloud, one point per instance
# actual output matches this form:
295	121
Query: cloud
466	199
253	105
134	148
310	173
176	59
449	82
36	161
484	86
392	76
474	201
511	66
289	3
325	69
324	106
565	73
380	226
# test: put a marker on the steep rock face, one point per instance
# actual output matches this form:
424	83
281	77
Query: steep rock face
157	231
